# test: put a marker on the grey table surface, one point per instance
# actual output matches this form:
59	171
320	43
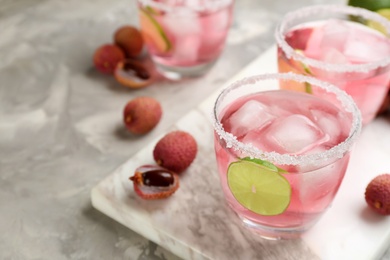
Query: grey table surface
45	205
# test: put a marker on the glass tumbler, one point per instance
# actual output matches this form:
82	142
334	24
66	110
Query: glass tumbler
344	45
185	37
282	154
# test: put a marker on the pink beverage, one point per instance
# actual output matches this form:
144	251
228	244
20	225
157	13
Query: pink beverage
289	129
299	124
354	57
185	36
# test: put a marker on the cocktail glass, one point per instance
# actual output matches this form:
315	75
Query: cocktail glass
282	154
184	37
333	43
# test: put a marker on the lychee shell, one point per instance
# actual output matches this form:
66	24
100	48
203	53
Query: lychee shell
107	57
175	151
377	194
142	114
130	40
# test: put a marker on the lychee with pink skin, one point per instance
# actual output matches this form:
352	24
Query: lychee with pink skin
130	40
141	115
107	57
175	151
377	194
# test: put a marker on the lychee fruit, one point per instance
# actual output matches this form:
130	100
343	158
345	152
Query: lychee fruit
377	194
107	57
130	40
132	74
175	151
141	115
154	182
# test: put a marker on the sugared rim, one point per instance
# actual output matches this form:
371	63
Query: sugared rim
337	151
341	9
207	6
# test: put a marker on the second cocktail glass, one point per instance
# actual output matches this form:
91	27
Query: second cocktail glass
185	37
333	43
282	154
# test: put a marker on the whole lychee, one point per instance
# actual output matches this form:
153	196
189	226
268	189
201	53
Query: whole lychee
377	194
107	57
130	40
142	114
175	151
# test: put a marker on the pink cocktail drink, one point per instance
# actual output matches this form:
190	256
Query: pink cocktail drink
185	37
307	136
351	55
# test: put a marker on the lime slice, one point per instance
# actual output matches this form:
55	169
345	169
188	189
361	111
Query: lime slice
308	88
152	10
377	26
258	188
384	12
372	5
267	164
153	32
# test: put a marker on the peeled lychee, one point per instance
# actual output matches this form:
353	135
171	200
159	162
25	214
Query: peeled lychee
378	194
107	57
154	182
141	115
132	74
130	40
175	151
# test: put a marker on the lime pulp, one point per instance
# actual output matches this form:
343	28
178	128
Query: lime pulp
259	188
377	26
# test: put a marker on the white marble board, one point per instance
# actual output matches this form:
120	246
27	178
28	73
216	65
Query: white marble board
195	223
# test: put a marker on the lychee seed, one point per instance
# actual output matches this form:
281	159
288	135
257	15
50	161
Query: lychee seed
133	74
154	182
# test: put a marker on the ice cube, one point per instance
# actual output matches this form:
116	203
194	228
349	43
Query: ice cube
335	35
329	124
215	28
252	115
318	187
362	47
314	42
333	55
186	49
217	22
315	186
332	36
183	22
293	134
186	29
